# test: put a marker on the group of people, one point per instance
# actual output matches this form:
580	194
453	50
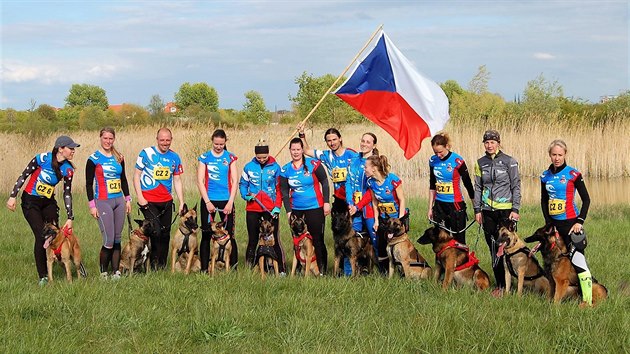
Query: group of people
362	183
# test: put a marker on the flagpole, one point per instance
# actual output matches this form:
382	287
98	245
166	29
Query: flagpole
331	87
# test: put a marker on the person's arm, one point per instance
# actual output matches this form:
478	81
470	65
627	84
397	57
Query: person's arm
515	185
234	187
179	191
544	202
284	187
307	149
136	185
89	186
377	211
477	199
580	186
201	186
32	166
465	176
243	185
402	204
67	200
432	182
321	175
125	187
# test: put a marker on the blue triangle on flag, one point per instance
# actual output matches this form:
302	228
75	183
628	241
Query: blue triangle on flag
373	74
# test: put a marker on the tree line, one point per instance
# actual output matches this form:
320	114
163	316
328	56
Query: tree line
86	107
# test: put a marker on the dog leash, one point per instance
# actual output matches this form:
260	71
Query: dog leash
441	226
129	225
264	207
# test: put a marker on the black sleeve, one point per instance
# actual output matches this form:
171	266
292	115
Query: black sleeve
586	199
89	179
123	179
544	202
465	175
32	166
432	179
67	196
284	188
320	173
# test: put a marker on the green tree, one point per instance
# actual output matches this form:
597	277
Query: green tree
84	95
254	109
130	114
91	118
47	112
451	88
156	107
200	94
479	83
541	98
332	109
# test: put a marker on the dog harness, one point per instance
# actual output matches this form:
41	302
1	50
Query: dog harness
66	233
472	259
527	251
296	246
221	255
266	251
417	263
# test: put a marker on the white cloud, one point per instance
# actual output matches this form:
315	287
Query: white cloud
544	56
18	72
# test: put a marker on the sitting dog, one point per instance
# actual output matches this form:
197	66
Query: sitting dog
558	266
520	263
221	246
349	243
304	252
62	246
135	254
185	240
454	260
265	254
402	253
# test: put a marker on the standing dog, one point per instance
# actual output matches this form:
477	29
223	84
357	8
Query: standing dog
304	251
221	246
454	260
185	241
62	246
402	253
265	254
519	262
136	253
349	243
558	266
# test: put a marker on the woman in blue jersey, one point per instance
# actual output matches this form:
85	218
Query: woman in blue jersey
217	180
39	206
108	198
305	192
260	187
446	199
558	186
387	198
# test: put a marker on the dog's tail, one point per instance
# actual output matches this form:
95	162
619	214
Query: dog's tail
82	270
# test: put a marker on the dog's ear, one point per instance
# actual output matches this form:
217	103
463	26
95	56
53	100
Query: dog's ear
292	218
54	222
139	222
425	239
184	210
405	217
195	207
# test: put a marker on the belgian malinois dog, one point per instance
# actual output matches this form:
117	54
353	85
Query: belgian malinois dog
349	243
185	240
221	246
304	251
402	253
265	254
62	246
136	254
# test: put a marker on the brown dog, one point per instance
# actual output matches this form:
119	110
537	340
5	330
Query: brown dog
304	252
265	253
135	254
564	278
454	260
520	263
221	246
185	240
349	243
62	246
402	253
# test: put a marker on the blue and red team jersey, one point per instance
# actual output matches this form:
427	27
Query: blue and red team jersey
218	168
337	167
158	169
561	189
262	181
385	194
43	179
357	185
305	190
448	187
107	174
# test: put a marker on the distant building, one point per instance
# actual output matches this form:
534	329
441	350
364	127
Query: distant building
115	107
170	108
604	99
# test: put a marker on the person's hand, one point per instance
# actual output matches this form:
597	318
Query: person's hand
141	201
375	225
11	203
249	197
67	225
128	207
275	212
352	209
576	228
227	209
514	216
210	207
478	218
94	212
300	128
326	209
430	214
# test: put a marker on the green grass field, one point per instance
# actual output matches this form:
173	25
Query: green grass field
165	313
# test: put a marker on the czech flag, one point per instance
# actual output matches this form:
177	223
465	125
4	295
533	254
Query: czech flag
386	88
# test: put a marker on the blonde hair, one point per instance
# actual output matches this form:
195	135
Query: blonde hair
381	164
117	155
558	142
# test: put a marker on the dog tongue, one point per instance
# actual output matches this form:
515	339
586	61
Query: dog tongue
47	242
501	248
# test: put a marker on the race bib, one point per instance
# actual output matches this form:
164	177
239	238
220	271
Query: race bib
339	174
114	186
356	197
45	190
556	206
444	187
387	208
161	173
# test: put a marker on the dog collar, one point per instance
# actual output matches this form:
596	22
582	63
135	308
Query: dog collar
220	238
143	237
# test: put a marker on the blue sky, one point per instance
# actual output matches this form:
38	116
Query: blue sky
136	49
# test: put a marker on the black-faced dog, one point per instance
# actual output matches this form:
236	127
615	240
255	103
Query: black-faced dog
62	246
402	253
265	253
304	251
185	242
454	260
135	254
221	246
349	243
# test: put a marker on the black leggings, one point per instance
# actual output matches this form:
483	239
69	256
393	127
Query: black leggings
161	215
491	224
564	227
315	222
37	211
454	217
253	225
206	233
